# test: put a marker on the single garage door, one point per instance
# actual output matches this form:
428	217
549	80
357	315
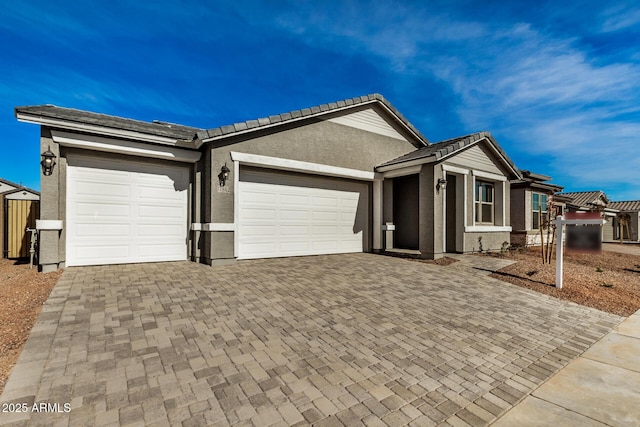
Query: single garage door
287	214
124	211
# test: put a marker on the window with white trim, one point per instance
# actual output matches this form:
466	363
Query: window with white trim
484	202
538	210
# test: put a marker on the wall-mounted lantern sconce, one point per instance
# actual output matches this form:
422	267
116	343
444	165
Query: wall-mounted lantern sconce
441	185
223	175
48	162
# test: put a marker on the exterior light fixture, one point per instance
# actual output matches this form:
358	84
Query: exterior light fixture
48	162
442	184
223	175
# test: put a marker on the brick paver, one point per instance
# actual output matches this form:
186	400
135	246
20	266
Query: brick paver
355	339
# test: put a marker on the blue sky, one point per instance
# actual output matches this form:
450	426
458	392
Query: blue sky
556	83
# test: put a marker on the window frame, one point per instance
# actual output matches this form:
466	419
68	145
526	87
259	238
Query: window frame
479	204
539	213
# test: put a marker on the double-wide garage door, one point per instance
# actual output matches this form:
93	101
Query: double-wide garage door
287	214
124	211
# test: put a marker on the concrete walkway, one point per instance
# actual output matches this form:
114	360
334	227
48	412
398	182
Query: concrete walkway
627	248
599	388
339	340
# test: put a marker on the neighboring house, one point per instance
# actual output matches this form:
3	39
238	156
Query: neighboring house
632	209
593	201
348	176
20	210
532	198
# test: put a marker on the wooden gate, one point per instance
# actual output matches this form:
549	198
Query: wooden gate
20	215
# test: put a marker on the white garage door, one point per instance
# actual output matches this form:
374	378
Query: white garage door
291	214
122	211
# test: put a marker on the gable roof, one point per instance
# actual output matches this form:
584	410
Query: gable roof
536	181
65	117
9	183
18	187
586	199
629	205
305	113
444	149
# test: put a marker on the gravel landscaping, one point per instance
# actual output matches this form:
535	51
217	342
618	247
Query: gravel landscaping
609	281
23	291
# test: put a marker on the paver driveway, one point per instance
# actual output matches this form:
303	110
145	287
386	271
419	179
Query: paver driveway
330	340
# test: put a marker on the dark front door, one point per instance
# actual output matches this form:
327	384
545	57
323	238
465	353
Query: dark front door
406	212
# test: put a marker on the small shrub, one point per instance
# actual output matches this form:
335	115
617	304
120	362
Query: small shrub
531	273
599	270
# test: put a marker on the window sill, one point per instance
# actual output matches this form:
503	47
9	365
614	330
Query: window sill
486	228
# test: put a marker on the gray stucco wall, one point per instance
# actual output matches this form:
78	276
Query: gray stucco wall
51	244
518	209
490	241
314	141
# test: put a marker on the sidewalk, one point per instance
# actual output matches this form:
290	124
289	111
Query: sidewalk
599	388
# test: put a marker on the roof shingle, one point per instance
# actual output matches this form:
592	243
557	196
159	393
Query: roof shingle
585	199
629	205
305	112
155	128
447	147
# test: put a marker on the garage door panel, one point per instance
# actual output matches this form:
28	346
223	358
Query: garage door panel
294	230
294	248
294	214
85	254
160	211
115	211
260	230
105	189
250	213
323	201
293	199
90	231
158	252
258	197
153	230
313	215
125	211
331	216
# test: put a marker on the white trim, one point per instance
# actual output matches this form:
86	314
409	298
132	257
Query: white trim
486	228
48	224
465	203
213	226
455	169
401	165
411	170
130	148
443	193
236	206
377	214
489	175
219	226
504	199
120	133
299	166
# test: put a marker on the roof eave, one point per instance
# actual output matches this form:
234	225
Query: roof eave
205	138
102	130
